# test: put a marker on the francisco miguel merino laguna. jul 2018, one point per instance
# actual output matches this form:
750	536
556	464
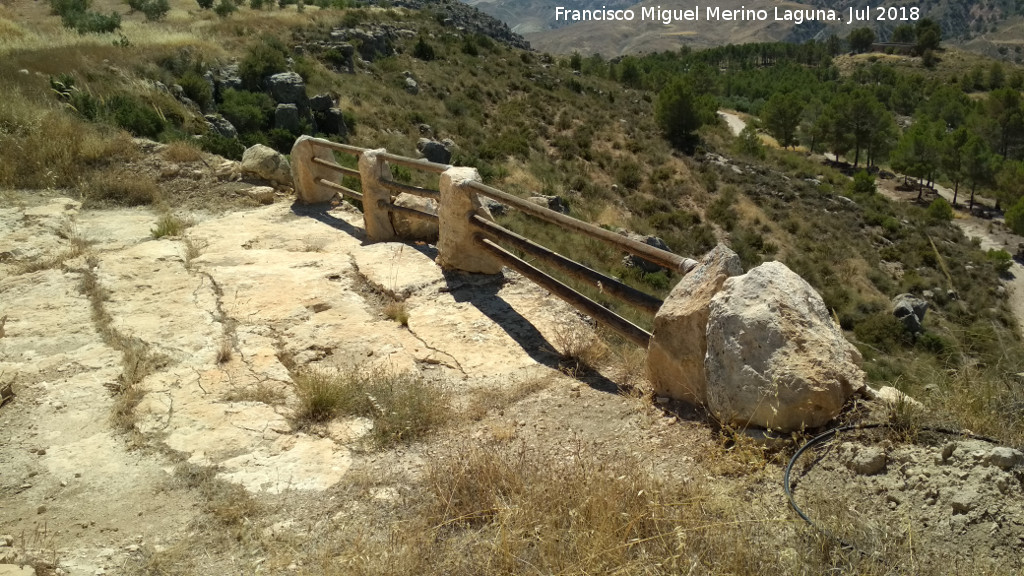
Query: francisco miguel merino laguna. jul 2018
709	13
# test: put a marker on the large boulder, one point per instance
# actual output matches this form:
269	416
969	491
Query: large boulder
332	123
288	88
220	125
321	103
434	151
265	163
776	359
411	227
910	311
286	117
675	358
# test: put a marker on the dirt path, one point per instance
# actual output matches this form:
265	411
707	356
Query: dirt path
733	120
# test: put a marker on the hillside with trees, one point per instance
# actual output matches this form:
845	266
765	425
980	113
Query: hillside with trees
126	114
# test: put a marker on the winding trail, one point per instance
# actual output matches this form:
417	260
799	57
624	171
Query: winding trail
971	226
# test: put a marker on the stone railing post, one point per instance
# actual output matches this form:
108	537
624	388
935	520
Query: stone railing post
372	170
456	249
305	173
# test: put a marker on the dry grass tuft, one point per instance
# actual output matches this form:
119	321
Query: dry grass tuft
489	510
397	311
403	407
170	225
183	152
119	188
228	503
580	348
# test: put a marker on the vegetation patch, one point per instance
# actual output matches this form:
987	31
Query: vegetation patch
403	407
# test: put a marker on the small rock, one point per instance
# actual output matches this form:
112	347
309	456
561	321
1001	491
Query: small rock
40	509
867	461
261	194
964	501
1005	458
6	540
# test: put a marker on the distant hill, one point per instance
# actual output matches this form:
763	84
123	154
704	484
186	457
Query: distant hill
990	26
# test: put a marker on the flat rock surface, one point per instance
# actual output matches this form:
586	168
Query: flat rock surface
227	310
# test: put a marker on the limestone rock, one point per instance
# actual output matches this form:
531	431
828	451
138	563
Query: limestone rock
409	227
286	117
910	311
1005	458
321	103
868	460
556	203
266	163
434	151
287	88
332	123
675	359
775	357
411	86
221	125
261	194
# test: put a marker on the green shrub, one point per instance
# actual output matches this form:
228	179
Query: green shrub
153	9
225	8
423	50
940	210
92	22
229	148
1001	260
862	183
281	140
247	111
205	4
881	330
135	116
1015	217
197	89
264	59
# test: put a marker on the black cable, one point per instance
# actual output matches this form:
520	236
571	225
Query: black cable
787	487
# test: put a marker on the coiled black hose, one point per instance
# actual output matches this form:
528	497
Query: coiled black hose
828	434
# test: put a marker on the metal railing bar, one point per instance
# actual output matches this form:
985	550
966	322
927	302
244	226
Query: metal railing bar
663	258
627	329
602	282
336	166
425	165
385	205
414	190
346	191
354	150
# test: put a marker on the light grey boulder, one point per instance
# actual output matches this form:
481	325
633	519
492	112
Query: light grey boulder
776	359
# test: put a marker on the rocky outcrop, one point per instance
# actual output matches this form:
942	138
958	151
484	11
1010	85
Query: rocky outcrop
775	358
675	358
434	151
910	310
411	227
556	203
286	117
288	88
267	164
332	122
220	125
